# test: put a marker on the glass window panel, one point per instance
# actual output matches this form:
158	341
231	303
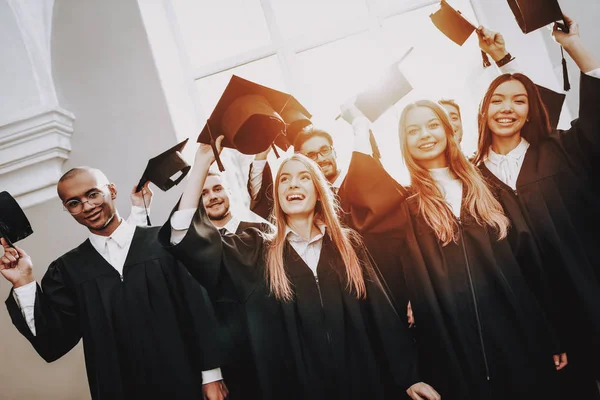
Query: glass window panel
265	72
437	67
296	18
214	30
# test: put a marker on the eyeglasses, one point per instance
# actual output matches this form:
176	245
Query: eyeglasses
323	151
75	206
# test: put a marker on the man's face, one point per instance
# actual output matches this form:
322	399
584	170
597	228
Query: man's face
88	188
313	147
215	198
455	121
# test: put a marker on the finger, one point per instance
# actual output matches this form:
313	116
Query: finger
567	19
414	395
20	251
4	243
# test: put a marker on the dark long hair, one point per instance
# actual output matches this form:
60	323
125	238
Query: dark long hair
537	127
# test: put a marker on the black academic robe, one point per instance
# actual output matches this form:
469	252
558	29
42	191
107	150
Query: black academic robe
147	336
325	344
238	368
482	333
558	191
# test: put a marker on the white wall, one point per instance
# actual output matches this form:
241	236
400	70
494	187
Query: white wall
105	75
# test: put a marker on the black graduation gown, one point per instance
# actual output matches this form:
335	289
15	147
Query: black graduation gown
476	316
148	336
238	368
370	199
558	191
343	349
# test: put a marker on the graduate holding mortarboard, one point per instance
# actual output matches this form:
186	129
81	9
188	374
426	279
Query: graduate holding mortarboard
146	328
550	174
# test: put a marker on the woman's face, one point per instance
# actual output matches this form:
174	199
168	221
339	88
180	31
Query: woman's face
508	109
425	138
296	191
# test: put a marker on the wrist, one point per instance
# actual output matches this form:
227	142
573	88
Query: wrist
498	55
25	280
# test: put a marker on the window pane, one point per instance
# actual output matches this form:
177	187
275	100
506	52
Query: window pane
296	18
214	30
265	72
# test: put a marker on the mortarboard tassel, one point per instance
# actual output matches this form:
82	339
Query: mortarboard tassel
566	83
485	59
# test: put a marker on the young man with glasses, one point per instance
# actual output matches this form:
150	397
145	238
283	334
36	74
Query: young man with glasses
147	330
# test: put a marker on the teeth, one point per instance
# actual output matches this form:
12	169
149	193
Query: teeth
427	146
295	197
505	120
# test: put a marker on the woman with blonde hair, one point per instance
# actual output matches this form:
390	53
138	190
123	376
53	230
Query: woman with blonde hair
318	321
469	264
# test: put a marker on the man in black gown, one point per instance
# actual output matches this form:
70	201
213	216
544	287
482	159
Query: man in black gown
146	328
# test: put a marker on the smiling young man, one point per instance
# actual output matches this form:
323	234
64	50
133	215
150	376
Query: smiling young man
147	331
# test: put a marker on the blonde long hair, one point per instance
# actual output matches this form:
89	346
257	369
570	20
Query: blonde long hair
343	239
479	200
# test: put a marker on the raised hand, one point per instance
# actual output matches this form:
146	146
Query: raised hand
144	195
16	265
492	43
215	391
205	152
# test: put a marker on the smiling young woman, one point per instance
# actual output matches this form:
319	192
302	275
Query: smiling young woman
551	175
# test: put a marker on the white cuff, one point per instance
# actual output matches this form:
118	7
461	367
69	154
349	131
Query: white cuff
595	73
25	295
180	223
258	166
25	298
211	375
362	127
137	216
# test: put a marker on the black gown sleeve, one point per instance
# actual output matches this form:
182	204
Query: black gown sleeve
55	315
262	205
582	140
210	257
397	342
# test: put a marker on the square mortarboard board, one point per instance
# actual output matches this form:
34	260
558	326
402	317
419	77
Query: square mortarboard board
295	122
249	116
161	168
534	14
553	102
384	93
452	24
14	225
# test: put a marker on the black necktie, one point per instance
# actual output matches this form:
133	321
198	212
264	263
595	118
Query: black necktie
223	231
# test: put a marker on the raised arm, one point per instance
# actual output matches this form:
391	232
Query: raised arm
260	186
48	318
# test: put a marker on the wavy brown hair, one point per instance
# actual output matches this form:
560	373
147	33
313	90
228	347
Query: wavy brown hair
533	131
344	239
479	201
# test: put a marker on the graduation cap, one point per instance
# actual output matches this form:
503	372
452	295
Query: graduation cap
14	225
534	14
456	27
295	122
249	116
162	168
553	102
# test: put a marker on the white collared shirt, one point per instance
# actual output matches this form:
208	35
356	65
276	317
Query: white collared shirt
308	250
507	166
450	186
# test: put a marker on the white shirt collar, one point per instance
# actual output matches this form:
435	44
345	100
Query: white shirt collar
122	236
294	237
232	225
516	154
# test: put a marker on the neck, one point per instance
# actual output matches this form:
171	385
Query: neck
303	225
110	227
334	177
504	145
439	162
219	223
